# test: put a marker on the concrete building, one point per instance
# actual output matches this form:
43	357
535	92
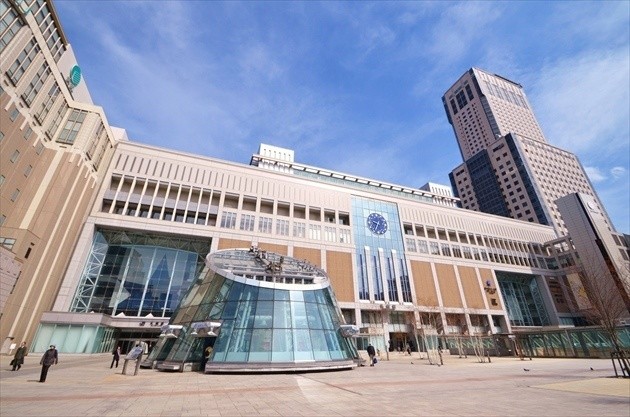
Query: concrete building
103	237
509	168
604	256
55	146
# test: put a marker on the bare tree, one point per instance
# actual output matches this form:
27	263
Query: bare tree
430	323
607	305
477	339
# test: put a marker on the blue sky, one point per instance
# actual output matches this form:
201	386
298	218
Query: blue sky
356	87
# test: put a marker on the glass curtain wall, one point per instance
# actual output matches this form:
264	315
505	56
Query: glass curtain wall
523	300
380	251
262	324
138	273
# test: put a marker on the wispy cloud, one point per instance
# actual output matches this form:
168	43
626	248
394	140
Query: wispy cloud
594	174
578	101
619	173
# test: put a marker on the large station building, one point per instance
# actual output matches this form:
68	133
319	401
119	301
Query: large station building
101	237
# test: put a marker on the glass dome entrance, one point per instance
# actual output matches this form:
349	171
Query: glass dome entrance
252	310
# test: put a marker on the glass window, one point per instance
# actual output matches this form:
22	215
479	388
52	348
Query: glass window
73	125
260	350
303	346
247	222
56	121
282	315
10	24
14	114
282	345
47	104
36	84
299	229
298	315
312	313
228	220
265	224
282	227
239	344
320	345
264	314
23	61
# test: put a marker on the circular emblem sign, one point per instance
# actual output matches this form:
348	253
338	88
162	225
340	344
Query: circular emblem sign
75	75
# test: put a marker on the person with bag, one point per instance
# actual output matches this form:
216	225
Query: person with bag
18	358
372	354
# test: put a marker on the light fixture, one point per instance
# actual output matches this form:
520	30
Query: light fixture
170	331
204	328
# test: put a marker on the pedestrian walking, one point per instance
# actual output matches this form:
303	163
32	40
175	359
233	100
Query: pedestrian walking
51	357
371	353
18	358
116	357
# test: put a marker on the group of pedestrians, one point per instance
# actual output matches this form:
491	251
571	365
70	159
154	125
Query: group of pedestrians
51	357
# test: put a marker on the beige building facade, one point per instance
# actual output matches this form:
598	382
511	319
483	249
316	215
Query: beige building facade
102	237
55	148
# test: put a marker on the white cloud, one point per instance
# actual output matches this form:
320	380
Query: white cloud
459	28
618	172
577	101
594	174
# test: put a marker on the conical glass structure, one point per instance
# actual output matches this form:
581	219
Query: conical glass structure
257	311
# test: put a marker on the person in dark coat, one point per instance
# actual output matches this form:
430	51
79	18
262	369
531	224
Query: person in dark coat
18	358
51	357
371	353
116	357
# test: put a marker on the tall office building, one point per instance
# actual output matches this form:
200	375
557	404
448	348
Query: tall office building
55	145
509	167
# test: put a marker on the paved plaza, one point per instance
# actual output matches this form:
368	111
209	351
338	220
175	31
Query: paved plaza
84	385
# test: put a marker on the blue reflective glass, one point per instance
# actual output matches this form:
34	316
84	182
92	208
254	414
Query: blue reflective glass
281	295
260	349
245	314
303	346
221	344
238	347
298	315
265	294
229	312
264	314
282	345
297	296
333	345
310	297
282	315
312	313
320	345
236	291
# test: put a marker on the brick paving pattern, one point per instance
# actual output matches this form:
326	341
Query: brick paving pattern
84	385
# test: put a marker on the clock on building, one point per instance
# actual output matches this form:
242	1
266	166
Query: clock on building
377	223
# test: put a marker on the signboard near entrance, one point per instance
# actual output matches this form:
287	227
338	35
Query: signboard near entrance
134	353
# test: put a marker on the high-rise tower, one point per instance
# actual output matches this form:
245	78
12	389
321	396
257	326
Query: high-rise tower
509	168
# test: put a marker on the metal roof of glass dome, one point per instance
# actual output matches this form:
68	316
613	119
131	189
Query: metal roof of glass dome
260	265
